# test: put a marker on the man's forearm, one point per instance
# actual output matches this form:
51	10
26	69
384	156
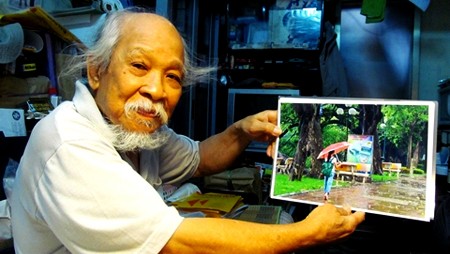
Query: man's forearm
195	236
220	151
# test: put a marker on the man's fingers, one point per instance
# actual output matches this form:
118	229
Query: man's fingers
345	210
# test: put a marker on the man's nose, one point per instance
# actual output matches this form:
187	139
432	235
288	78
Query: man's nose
154	86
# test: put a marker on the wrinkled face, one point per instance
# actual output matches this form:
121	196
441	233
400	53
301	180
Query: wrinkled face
146	69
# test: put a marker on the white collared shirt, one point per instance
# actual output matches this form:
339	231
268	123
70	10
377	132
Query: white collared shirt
75	194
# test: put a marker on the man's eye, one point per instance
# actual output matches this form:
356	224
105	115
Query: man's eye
174	77
139	66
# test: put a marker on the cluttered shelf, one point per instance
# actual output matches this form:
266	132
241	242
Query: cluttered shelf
278	68
265	43
275	53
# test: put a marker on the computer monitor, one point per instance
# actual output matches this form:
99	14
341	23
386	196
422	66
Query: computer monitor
243	102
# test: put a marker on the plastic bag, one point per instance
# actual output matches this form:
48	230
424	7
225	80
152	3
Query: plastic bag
5	210
5	220
9	176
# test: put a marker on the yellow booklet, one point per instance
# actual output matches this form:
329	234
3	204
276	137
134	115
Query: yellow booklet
210	202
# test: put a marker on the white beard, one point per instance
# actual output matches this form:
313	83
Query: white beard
124	140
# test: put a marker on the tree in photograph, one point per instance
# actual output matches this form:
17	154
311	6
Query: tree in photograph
371	117
404	129
302	137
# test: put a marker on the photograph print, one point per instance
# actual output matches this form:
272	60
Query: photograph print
375	155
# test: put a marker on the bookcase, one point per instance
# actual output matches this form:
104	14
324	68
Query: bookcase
272	41
267	49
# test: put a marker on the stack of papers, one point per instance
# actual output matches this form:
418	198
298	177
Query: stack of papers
211	204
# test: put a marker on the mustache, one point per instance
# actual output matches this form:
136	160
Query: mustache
147	106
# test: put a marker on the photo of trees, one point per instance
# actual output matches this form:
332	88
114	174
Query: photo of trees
384	168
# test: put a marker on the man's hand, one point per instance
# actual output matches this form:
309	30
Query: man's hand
261	127
329	223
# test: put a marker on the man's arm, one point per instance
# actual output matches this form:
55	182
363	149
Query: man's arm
220	151
323	225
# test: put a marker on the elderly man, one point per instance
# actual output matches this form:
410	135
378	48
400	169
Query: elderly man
88	179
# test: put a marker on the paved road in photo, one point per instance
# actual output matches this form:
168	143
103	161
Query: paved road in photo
404	196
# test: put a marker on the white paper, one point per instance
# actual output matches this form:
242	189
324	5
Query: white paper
410	194
12	122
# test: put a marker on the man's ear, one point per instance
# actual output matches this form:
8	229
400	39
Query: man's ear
93	75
